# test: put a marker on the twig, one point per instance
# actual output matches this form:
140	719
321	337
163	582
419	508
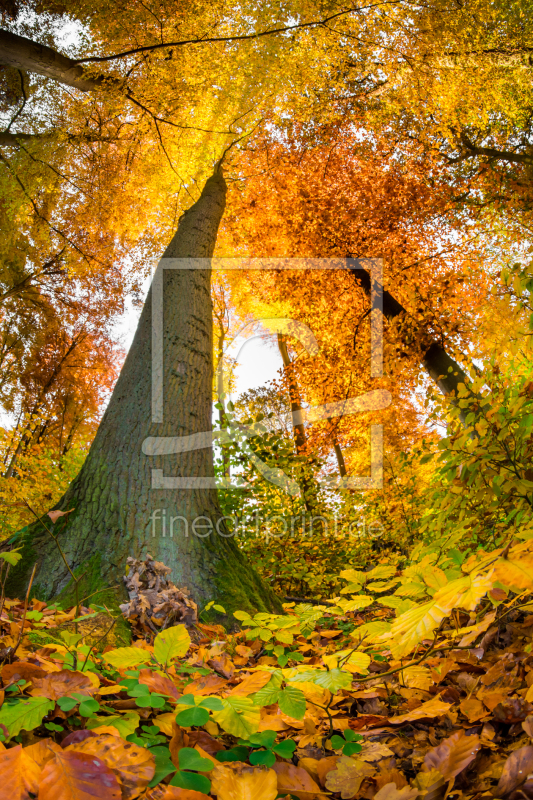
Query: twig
25	610
97	642
3	598
74	578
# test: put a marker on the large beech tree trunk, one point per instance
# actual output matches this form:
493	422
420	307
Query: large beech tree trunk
113	497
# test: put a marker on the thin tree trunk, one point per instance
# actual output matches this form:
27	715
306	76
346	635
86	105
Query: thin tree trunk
308	484
440	366
222	417
17	51
118	511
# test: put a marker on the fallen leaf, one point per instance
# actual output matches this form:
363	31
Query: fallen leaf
159	684
295	780
311	766
324	767
223	665
174	793
165	721
393	775
374	751
11	673
514	709
78	776
452	755
62	684
252	683
134	766
348	777
391	792
431	785
19	774
179	740
515	771
42	751
473	709
207	684
238	781
432	708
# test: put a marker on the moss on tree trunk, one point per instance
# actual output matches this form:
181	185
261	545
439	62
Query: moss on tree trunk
118	509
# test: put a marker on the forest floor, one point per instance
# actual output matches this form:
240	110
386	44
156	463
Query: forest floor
195	712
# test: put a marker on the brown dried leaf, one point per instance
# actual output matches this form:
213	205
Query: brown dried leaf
374	751
452	755
390	776
19	774
391	792
78	776
11	673
238	781
295	780
207	684
42	751
324	767
514	709
174	793
431	785
62	684
348	777
432	708
159	684
55	515
473	709
515	771
252	683
134	766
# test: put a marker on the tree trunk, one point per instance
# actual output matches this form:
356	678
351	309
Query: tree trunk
17	51
440	366
117	510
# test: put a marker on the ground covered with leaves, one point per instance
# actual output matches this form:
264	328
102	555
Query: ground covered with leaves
410	684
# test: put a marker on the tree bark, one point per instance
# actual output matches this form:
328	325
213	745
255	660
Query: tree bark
440	366
17	51
117	511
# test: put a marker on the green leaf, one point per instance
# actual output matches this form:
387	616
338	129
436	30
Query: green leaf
126	657
263	739
292	702
126	724
233	754
351	736
150	701
333	680
89	707
67	703
192	716
221	609
190	780
337	742
265	757
351	748
212	703
285	749
25	714
269	693
11	556
163	764
240	716
190	758
243	616
172	643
